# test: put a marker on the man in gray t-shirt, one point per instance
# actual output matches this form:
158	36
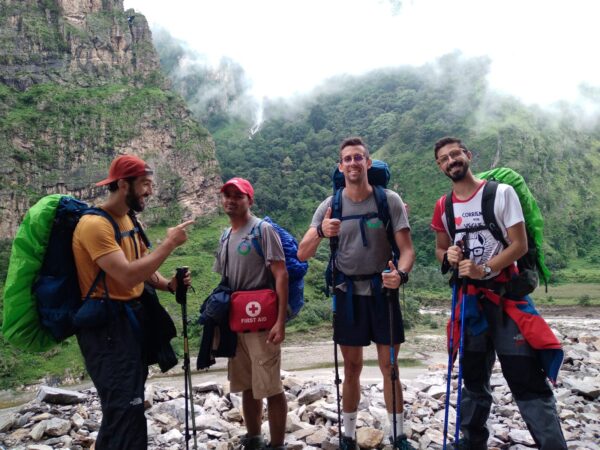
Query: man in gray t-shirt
364	259
255	368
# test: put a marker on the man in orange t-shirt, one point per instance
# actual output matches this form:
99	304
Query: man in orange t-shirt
113	351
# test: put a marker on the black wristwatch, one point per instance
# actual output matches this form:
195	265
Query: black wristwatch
403	276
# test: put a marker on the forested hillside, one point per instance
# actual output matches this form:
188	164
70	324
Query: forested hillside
401	112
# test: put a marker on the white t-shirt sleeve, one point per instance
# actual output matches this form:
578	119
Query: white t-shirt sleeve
507	207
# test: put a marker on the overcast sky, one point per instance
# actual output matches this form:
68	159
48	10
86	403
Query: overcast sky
541	50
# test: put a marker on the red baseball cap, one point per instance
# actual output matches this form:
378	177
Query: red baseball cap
126	166
241	185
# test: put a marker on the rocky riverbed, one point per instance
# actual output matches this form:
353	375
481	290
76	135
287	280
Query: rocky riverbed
70	419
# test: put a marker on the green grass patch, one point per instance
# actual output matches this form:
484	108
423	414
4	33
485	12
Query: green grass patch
569	294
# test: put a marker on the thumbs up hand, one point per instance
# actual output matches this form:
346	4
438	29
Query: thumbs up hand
330	227
390	277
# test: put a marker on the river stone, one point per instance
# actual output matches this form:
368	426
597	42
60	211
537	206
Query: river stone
329	415
60	396
233	415
311	395
173	436
7	422
318	437
521	437
57	427
77	420
38	430
208	387
39	447
40	417
435	436
369	437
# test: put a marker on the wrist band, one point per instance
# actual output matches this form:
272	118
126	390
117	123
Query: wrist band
403	277
320	231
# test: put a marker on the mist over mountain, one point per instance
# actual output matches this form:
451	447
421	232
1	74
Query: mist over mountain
401	112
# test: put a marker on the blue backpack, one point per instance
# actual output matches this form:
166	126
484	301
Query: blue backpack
379	177
296	268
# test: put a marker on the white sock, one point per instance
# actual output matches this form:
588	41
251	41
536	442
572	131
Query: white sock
399	423
350	424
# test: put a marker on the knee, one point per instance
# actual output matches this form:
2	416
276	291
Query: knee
385	366
525	377
352	369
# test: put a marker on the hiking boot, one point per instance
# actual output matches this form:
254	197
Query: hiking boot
347	443
401	442
252	442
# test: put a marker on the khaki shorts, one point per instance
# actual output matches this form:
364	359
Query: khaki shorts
256	366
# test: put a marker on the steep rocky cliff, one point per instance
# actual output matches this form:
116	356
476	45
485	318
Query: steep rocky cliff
79	84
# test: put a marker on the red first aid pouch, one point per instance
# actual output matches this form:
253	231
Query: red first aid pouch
252	311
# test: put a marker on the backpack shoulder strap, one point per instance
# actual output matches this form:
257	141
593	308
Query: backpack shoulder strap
383	212
336	204
100	212
487	207
256	234
137	228
449	210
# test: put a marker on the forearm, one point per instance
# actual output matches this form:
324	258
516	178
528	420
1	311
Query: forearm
507	257
407	260
131	273
309	244
281	288
159	282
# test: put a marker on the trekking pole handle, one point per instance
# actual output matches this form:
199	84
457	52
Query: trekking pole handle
181	291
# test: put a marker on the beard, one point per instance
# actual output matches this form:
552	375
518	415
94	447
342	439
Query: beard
133	201
460	174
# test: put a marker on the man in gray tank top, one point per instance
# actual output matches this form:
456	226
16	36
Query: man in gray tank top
255	368
364	256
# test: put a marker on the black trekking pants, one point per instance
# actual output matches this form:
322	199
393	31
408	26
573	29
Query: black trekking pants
524	375
114	359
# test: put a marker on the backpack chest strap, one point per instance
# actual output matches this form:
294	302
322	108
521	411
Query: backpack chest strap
363	219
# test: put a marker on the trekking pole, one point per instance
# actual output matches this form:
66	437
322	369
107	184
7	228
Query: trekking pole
393	375
461	343
181	297
333	246
450	357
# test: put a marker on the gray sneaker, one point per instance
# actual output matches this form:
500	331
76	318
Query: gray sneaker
347	443
252	443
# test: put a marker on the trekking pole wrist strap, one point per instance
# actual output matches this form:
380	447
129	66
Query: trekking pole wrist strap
170	288
445	264
403	276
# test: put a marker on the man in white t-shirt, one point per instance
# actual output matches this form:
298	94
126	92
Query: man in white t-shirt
489	264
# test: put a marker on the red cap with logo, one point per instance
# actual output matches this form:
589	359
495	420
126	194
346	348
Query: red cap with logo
124	167
241	185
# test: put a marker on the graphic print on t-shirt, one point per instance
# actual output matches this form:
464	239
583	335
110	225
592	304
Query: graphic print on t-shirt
481	244
245	246
375	222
